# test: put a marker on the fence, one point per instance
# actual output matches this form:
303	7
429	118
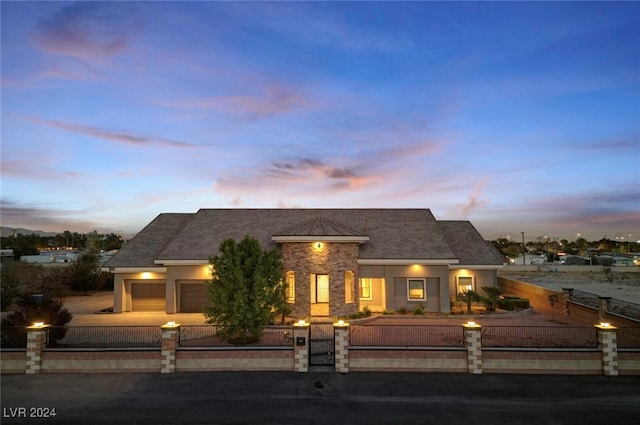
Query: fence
206	336
104	336
629	338
539	337
406	336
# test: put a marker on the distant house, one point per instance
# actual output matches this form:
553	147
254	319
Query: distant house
336	261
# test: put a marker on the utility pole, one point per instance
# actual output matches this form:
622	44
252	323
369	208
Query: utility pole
524	251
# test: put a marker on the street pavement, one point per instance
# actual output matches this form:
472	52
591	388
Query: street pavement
284	398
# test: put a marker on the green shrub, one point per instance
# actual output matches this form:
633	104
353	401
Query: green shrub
508	304
388	313
522	303
418	311
366	311
402	310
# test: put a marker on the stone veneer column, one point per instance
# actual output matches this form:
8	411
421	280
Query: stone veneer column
566	297
607	343
341	350
35	343
473	342
301	346
170	336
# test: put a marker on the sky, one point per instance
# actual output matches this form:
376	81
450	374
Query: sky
517	116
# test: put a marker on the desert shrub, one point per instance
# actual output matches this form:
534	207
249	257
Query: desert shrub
490	300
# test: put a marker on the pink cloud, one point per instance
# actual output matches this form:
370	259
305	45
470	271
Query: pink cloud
129	139
273	100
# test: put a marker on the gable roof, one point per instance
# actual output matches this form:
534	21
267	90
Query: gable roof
394	234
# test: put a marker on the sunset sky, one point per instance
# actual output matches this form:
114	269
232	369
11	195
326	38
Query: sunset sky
520	117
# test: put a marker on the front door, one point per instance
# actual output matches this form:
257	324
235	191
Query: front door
320	295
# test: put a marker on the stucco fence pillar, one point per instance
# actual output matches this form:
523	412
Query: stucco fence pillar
36	337
301	346
170	341
567	293
603	307
473	342
341	349
607	343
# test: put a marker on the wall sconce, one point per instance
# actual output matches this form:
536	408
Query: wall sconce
317	245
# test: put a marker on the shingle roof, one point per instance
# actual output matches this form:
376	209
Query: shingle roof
144	248
318	227
393	233
468	244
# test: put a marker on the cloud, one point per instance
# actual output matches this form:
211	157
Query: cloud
473	201
273	100
88	30
45	219
129	139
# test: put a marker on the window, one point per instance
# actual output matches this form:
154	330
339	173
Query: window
416	290
320	292
365	288
465	283
349	289
290	278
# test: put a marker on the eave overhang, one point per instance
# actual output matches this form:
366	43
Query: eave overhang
406	261
307	238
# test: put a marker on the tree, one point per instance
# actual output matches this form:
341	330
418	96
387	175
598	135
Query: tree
35	308
492	298
247	290
84	273
10	286
469	297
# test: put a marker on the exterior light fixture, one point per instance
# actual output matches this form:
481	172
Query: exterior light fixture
471	324
38	324
170	325
605	324
301	322
318	245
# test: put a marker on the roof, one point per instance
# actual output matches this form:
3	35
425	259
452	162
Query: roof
392	234
468	244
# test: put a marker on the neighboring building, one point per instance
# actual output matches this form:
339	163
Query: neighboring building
336	261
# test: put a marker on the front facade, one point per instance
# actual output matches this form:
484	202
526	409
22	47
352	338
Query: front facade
336	261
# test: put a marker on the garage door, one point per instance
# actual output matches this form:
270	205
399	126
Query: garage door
148	296
192	297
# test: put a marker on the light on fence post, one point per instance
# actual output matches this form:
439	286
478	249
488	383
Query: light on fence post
471	324
170	325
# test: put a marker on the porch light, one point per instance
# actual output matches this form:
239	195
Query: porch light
318	245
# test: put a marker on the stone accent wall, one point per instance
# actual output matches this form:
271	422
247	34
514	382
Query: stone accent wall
35	344
472	339
607	342
169	346
301	352
341	348
333	259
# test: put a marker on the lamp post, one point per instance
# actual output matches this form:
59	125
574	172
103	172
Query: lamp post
524	261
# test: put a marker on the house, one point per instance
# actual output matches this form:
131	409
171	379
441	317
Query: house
336	261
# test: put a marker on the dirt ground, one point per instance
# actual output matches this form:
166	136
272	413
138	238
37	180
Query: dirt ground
624	286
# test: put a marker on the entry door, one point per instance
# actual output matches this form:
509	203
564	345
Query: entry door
320	295
322	288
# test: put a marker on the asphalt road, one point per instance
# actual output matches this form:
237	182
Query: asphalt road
319	398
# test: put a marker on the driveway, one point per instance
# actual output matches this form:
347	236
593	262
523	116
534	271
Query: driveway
321	398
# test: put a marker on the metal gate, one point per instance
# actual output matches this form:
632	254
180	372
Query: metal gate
321	344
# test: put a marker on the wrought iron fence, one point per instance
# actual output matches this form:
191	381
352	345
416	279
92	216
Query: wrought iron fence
206	336
628	337
104	336
406	336
539	337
